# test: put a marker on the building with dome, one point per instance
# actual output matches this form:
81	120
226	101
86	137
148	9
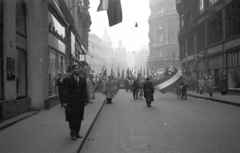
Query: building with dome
120	56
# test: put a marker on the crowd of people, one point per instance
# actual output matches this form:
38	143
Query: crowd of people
77	89
202	85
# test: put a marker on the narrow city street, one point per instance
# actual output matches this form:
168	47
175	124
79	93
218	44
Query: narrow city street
169	126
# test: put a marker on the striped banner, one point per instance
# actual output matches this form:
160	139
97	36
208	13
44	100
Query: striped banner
169	82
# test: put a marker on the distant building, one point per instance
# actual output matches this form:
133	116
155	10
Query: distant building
97	54
120	56
163	35
209	40
141	57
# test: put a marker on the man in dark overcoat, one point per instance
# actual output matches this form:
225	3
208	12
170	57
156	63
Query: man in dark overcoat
135	88
76	98
148	92
60	88
126	84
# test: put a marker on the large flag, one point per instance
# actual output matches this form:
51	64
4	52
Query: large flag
114	12
169	82
103	5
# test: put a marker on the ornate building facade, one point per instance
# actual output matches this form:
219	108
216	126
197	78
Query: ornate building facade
39	40
163	35
209	39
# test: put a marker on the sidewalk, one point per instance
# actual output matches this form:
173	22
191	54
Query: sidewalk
47	131
227	99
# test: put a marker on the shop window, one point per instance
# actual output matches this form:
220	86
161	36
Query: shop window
52	74
234	78
233	59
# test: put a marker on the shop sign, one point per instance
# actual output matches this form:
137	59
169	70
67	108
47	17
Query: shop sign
214	49
233	43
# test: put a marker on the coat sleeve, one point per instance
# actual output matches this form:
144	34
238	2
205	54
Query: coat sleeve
65	90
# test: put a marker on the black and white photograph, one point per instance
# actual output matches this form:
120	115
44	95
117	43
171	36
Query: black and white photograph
119	76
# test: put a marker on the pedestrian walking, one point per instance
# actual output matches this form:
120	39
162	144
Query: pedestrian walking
148	92
126	84
104	86
201	84
223	85
183	86
91	85
135	88
210	86
110	87
141	90
76	98
60	89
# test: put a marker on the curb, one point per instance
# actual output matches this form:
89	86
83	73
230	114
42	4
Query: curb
90	128
17	120
216	100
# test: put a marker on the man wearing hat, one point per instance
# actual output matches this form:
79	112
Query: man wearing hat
148	92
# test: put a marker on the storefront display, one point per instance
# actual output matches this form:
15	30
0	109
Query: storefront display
233	74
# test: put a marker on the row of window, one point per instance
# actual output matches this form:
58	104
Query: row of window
215	62
159	9
233	59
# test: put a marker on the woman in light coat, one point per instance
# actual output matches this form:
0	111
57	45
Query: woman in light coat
91	85
110	90
201	84
103	85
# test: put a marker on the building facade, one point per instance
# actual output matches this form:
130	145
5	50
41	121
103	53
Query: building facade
141	58
120	56
98	54
38	40
163	35
209	39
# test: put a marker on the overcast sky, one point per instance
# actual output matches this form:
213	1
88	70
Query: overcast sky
133	11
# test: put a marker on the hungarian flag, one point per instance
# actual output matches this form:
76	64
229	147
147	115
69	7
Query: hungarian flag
169	82
113	74
122	74
118	72
104	72
114	10
103	5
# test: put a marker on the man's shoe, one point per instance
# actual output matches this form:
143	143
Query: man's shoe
78	136
74	138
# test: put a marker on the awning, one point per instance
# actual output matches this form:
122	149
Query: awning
84	50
